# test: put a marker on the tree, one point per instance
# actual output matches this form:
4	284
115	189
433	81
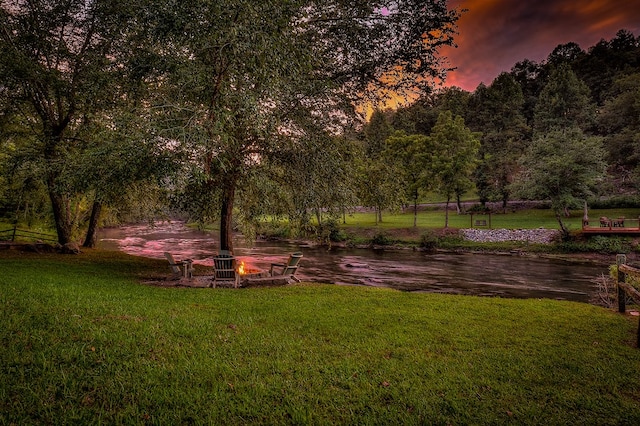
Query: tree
562	166
323	182
565	54
421	116
60	62
531	77
607	61
455	149
121	155
412	154
564	102
497	114
246	81
376	132
380	185
619	122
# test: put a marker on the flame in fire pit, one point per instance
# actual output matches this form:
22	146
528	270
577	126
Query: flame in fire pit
241	269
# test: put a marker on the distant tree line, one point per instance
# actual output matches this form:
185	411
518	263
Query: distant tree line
562	130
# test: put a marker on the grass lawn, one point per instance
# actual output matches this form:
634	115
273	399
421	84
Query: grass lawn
523	219
84	342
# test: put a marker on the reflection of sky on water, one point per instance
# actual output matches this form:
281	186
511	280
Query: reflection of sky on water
484	275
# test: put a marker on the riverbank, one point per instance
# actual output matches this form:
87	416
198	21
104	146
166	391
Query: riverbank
85	342
535	243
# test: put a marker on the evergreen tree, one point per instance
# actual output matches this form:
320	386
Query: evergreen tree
564	103
497	114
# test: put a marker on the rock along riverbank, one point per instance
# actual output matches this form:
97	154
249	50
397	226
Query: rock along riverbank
534	236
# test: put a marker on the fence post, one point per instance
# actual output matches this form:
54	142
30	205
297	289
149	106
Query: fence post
621	259
638	339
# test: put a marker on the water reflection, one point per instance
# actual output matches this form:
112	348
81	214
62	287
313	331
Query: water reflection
486	275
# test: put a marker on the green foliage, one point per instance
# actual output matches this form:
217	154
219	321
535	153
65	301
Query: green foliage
597	244
380	185
376	133
496	112
562	166
381	239
413	155
619	202
453	159
619	121
252	96
564	102
329	231
632	279
429	241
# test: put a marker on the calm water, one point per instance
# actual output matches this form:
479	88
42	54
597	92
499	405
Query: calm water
474	274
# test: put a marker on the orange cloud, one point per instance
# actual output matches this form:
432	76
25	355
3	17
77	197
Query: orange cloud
495	34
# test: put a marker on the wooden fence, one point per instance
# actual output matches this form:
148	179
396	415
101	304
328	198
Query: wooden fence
15	232
626	290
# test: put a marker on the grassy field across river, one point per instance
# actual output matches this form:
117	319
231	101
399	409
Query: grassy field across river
522	219
84	342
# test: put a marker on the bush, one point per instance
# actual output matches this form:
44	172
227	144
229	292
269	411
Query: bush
478	208
380	240
429	241
330	231
598	244
274	230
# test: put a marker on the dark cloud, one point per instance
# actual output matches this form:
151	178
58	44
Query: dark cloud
495	34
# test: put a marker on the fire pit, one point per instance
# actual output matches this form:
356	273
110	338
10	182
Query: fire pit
246	271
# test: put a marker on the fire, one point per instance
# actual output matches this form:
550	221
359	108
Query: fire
241	268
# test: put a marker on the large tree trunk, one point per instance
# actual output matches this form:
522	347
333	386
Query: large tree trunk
92	230
59	202
60	207
226	216
415	212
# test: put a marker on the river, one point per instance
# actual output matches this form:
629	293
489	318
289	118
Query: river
473	274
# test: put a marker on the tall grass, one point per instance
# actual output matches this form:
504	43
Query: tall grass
84	342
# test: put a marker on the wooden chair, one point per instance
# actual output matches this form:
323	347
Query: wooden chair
180	268
224	266
289	269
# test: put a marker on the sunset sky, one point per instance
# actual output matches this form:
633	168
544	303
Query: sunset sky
495	34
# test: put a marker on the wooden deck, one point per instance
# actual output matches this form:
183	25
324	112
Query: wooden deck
612	226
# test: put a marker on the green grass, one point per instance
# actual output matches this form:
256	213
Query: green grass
523	219
84	342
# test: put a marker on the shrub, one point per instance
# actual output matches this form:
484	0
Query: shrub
329	231
598	244
478	208
429	241
274	230
380	240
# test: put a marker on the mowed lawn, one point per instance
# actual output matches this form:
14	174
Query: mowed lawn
522	219
85	342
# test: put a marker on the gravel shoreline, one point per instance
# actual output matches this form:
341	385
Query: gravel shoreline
536	236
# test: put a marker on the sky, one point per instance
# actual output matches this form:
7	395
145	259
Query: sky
496	34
